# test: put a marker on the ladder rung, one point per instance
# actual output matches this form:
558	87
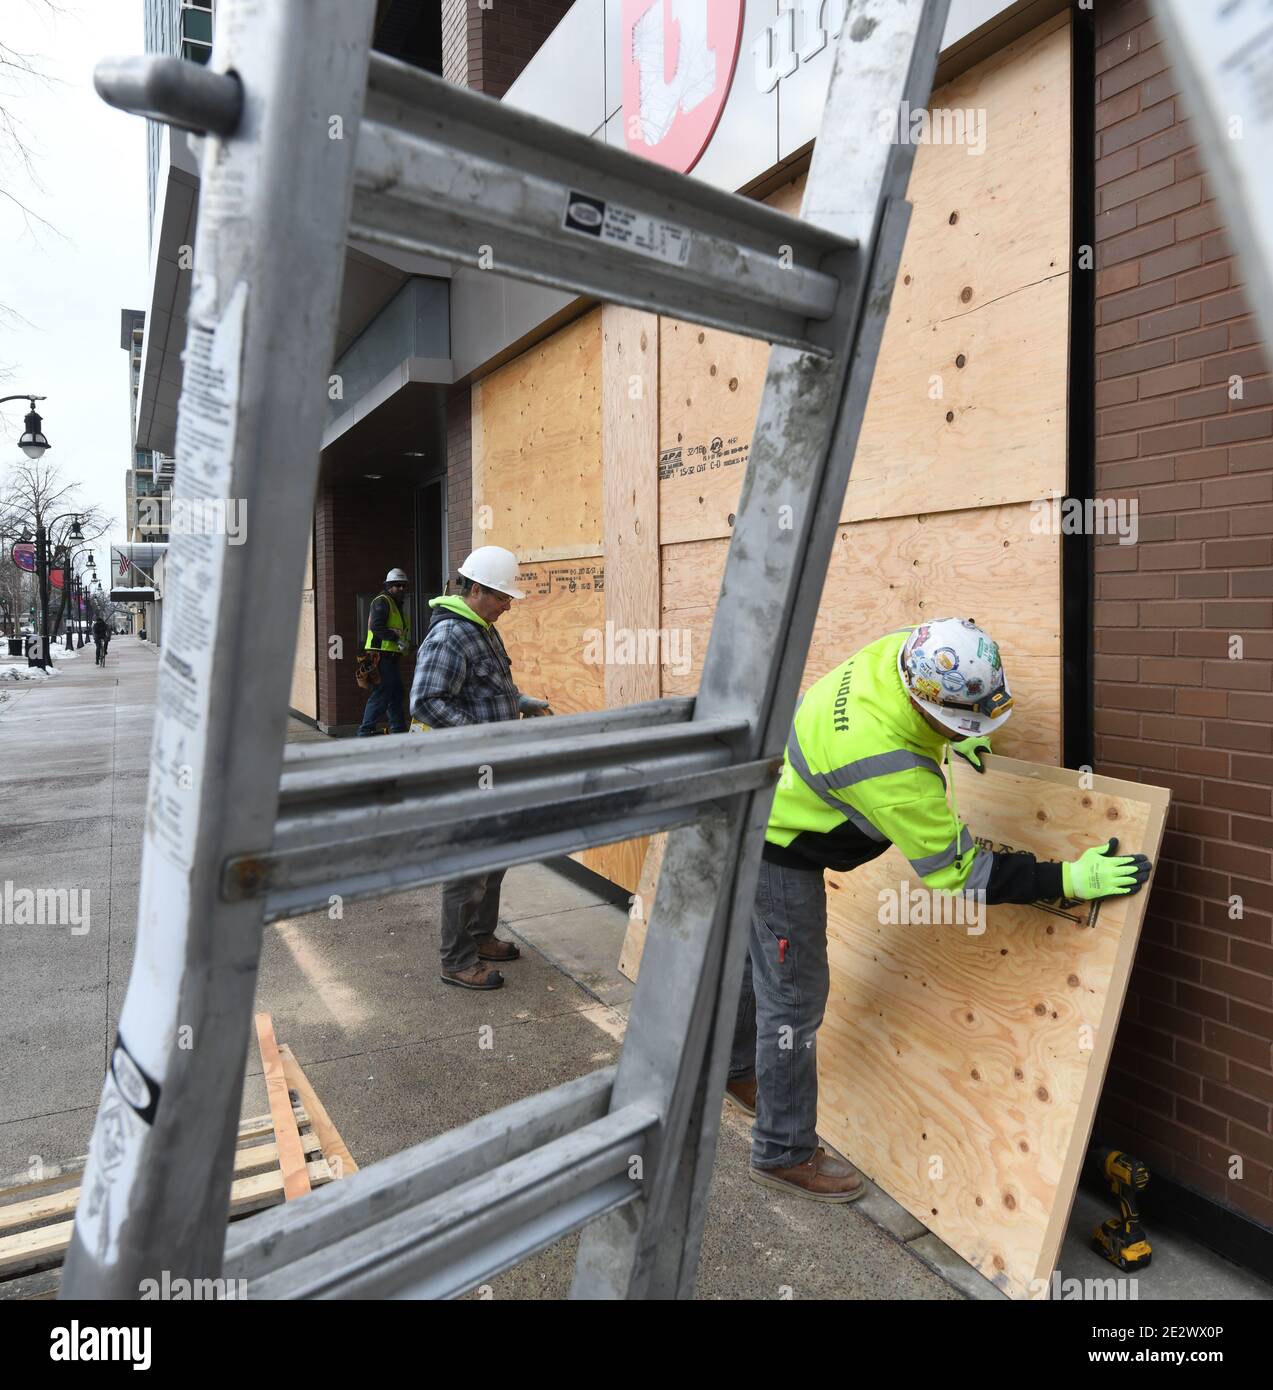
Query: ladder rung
383	753
295	1230
450	759
449	1243
444	813
721	259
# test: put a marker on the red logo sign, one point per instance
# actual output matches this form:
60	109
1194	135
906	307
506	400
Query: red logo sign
678	62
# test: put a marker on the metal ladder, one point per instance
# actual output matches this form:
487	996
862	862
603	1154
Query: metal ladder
313	138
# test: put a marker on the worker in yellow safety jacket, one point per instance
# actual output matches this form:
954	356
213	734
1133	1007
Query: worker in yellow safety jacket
388	635
862	771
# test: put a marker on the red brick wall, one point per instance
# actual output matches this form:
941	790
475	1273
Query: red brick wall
485	48
347	563
1191	1080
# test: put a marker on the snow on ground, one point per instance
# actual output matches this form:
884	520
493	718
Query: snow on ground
12	672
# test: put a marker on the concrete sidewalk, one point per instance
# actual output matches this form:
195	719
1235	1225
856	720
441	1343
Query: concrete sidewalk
396	1055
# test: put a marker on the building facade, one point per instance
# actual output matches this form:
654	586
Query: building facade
467	409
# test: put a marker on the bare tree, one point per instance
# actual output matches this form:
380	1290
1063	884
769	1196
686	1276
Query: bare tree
34	495
19	177
18	70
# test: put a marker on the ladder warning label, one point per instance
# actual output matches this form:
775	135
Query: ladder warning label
205	455
648	236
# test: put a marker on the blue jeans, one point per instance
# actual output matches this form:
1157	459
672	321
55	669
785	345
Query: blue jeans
784	998
386	701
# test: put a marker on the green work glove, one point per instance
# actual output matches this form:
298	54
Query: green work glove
971	749
1101	872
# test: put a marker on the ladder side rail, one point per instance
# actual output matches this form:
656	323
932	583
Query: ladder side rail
288	1233
793	465
270	244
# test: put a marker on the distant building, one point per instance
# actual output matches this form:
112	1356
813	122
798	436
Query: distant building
149	474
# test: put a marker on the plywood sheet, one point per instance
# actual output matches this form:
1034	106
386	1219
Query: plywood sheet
554	636
960	1066
969	411
897	572
550	633
710	384
537	448
984	276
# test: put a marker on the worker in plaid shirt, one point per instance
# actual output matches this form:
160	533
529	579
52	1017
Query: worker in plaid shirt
463	676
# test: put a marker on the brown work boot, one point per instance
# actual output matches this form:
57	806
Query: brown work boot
477	976
742	1094
821	1178
492	948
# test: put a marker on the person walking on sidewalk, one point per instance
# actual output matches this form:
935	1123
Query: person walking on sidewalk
863	770
463	676
387	635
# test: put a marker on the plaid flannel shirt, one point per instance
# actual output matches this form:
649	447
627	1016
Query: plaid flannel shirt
463	675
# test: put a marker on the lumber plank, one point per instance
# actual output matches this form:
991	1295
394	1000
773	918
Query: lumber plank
291	1156
47	1206
630	439
20	1186
642	907
333	1147
45	1245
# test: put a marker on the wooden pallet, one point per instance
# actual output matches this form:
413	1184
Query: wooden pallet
277	1157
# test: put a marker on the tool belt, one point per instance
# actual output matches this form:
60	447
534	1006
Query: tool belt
367	671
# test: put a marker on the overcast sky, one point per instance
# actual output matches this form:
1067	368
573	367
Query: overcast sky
69	284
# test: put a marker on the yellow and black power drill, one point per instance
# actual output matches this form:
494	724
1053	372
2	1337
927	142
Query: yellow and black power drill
1121	1239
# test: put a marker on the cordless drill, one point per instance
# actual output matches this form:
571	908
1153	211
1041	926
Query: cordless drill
1121	1239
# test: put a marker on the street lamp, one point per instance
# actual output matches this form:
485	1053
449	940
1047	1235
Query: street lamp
42	568
86	579
70	584
32	441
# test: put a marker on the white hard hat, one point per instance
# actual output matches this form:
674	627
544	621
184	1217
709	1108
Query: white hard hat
951	668
396	577
493	567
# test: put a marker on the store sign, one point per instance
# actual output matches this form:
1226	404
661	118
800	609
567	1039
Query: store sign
679	62
798	34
